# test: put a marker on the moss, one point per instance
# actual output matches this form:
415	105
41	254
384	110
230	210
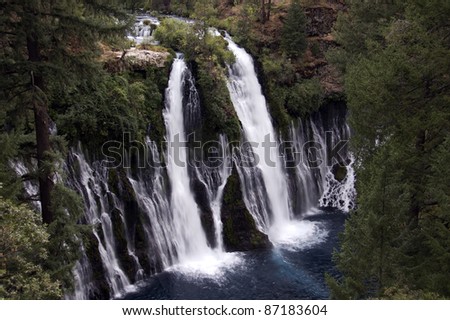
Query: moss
113	181
339	172
101	290
208	57
219	115
143	252
240	232
126	261
155	81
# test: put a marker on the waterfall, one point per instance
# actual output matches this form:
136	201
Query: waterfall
31	188
146	220
268	178
340	194
317	167
274	190
189	236
83	278
214	177
212	174
93	185
143	29
150	189
162	205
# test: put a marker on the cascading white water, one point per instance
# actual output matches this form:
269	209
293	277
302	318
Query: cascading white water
251	108
316	182
94	188
83	278
143	29
31	189
194	256
339	194
214	178
168	211
267	193
151	196
130	244
307	188
189	236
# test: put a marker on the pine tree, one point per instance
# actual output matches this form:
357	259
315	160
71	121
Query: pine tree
47	47
293	37
396	243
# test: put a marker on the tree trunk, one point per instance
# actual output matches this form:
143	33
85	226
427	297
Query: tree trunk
263	11
269	7
417	194
41	120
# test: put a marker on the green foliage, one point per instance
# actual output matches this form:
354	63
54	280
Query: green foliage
206	11
219	115
405	293
49	62
304	98
289	97
315	49
277	69
293	38
396	244
68	38
175	34
24	246
360	27
195	41
209	54
94	115
65	235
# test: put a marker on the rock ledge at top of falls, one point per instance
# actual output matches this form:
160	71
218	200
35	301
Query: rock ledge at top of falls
134	59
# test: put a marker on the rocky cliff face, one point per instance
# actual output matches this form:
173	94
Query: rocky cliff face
321	16
320	20
239	229
135	59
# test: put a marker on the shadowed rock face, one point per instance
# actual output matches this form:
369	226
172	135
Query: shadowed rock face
239	229
320	21
206	215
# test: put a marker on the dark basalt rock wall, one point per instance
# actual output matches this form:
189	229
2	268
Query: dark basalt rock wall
320	21
99	285
239	229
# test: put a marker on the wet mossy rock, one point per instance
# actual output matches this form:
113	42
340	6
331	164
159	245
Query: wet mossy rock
126	261
340	172
206	214
146	248
100	284
217	109
119	184
239	229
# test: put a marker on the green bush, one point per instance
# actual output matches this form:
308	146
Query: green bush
304	98
24	253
